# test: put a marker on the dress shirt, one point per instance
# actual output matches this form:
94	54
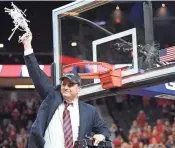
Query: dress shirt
54	135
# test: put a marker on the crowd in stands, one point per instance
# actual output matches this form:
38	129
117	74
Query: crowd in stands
17	116
158	134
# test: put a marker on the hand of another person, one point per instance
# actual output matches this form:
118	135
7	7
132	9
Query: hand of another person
27	42
98	138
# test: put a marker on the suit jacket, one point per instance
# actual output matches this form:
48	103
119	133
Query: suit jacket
52	98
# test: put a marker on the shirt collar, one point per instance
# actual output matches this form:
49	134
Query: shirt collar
75	102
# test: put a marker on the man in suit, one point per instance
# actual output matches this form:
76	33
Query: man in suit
62	118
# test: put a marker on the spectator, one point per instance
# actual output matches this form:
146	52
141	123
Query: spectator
153	143
5	144
21	140
113	129
149	130
167	129
159	126
135	127
12	143
144	136
170	143
7	116
11	130
134	139
11	105
141	118
155	137
15	117
30	103
118	142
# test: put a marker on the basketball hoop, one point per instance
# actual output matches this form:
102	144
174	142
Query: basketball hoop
109	78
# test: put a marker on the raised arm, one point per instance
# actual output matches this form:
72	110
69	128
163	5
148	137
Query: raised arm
39	78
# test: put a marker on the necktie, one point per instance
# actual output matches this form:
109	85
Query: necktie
67	127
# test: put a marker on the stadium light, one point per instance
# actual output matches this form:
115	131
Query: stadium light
1	45
73	44
24	86
163	11
163	5
117	7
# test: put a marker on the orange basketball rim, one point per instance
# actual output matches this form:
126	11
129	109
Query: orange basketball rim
109	78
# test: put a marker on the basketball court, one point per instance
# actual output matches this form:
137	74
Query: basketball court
96	36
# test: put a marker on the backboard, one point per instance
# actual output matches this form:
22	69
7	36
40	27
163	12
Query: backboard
104	31
132	64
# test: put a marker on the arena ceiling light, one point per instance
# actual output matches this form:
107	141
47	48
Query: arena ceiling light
163	5
117	7
24	86
74	44
1	45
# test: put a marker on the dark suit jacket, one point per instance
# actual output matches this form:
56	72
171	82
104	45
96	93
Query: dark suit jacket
52	98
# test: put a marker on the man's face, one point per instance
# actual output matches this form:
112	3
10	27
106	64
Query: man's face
69	90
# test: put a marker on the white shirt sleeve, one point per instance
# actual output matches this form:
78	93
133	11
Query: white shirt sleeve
28	51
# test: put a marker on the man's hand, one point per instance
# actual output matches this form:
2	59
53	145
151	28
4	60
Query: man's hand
98	138
27	43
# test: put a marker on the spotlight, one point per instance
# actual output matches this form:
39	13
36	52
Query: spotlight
24	86
73	44
163	5
1	45
117	7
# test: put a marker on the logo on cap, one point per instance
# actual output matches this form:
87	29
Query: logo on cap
68	74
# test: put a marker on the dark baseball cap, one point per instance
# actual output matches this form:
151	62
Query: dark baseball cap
73	76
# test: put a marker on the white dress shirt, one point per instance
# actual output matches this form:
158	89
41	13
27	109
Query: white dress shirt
54	135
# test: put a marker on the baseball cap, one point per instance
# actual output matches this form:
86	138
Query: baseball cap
73	76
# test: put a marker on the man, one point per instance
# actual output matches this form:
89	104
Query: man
62	118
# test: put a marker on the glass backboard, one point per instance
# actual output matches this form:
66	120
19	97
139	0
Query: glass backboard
117	32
